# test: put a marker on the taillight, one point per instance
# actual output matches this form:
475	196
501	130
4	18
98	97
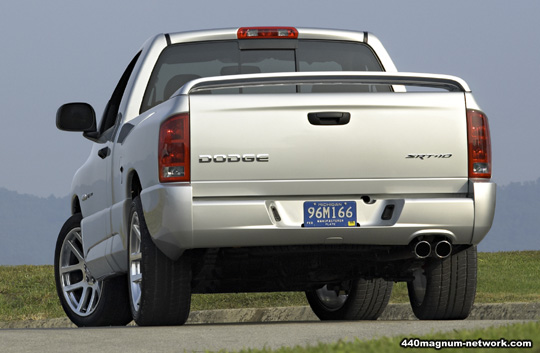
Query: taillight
267	32
173	150
479	144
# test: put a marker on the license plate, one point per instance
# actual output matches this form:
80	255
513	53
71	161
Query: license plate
330	214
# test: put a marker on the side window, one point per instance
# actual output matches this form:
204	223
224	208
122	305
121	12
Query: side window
111	110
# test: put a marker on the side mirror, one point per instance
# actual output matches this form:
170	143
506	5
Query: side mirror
76	117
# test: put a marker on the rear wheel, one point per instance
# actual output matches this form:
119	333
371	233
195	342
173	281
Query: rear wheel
86	301
159	288
445	289
365	300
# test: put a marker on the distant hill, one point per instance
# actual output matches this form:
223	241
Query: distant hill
29	224
517	219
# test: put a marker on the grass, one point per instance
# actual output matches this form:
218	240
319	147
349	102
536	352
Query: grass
522	332
28	292
509	277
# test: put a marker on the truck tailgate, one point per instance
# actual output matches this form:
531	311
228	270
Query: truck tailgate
416	136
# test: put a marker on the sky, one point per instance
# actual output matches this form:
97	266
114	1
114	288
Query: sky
54	52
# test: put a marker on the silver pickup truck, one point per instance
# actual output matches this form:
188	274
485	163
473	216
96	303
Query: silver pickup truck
275	159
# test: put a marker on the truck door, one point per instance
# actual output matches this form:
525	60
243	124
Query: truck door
97	227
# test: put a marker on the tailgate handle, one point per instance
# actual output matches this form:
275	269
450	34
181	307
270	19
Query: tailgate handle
329	118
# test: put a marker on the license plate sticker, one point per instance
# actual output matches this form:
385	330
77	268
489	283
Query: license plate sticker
330	214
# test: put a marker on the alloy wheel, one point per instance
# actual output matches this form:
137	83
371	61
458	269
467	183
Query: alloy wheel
80	289
135	256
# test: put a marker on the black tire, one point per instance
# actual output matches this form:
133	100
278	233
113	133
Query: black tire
86	301
445	289
366	300
159	288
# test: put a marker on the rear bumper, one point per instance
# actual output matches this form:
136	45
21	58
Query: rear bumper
178	221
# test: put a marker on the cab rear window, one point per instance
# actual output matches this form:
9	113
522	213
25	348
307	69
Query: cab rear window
181	63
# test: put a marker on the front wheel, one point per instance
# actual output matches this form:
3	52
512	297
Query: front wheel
365	300
159	288
85	300
445	289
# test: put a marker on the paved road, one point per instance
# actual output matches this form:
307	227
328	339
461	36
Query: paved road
197	338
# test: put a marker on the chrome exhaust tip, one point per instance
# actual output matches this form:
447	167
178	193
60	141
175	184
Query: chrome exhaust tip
422	249
443	249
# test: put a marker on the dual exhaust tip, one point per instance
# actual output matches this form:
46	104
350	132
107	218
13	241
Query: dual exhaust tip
441	249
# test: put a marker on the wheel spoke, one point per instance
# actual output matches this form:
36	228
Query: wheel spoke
75	250
78	235
73	268
73	287
83	300
136	278
94	297
136	230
